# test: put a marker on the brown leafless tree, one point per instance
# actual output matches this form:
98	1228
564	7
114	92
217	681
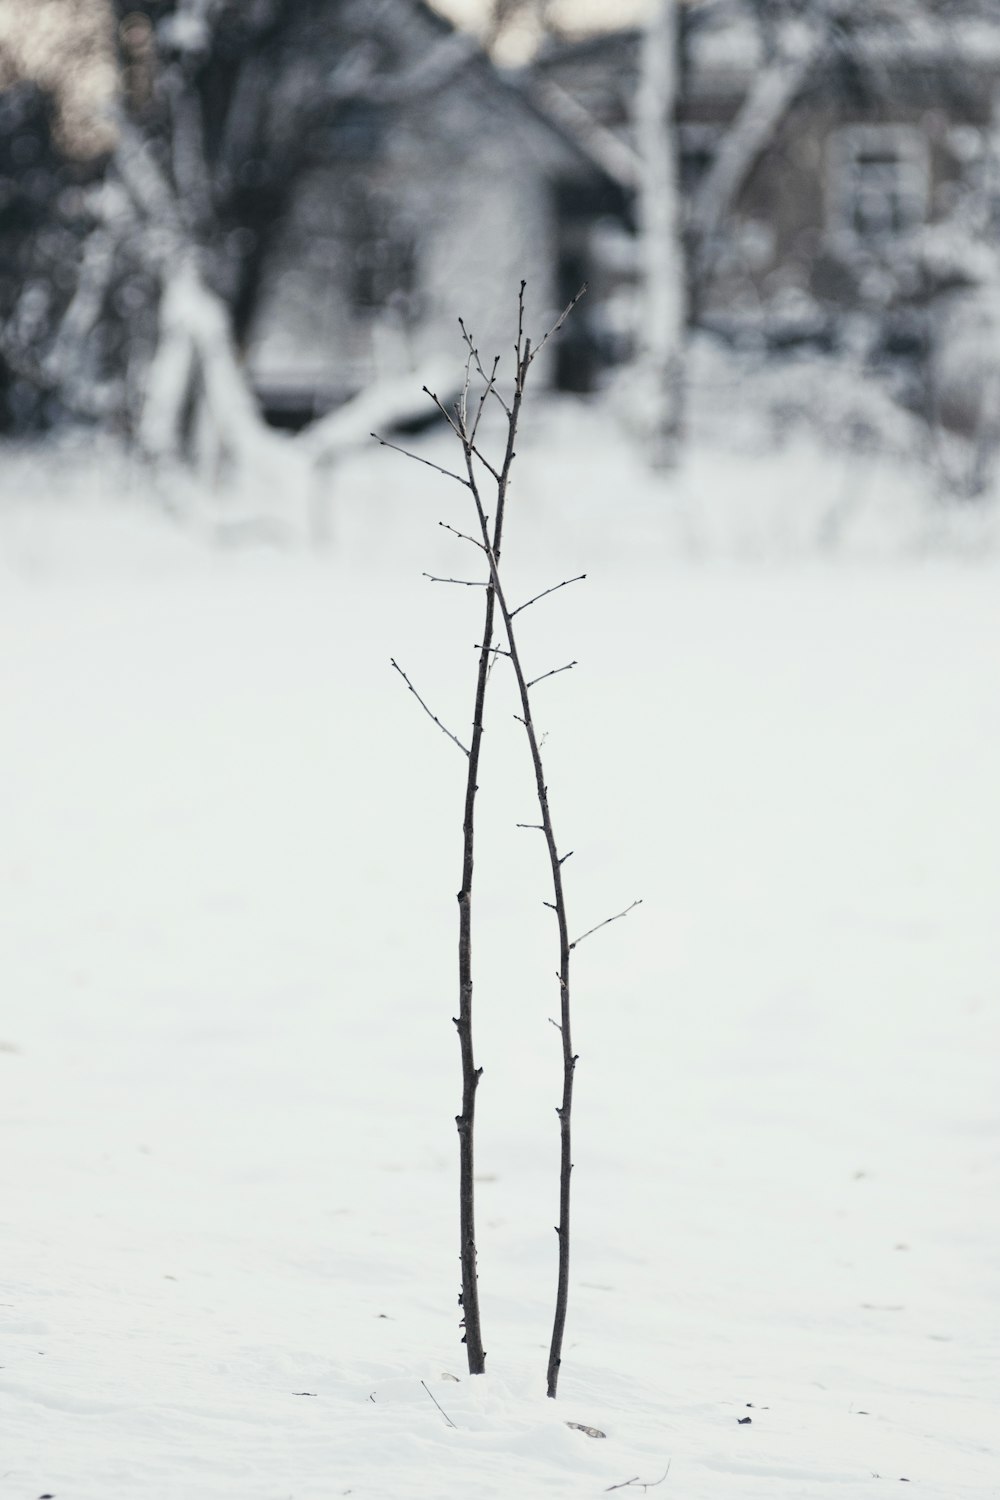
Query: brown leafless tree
464	419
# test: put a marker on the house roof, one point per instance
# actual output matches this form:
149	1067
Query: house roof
441	59
561	126
725	40
725	48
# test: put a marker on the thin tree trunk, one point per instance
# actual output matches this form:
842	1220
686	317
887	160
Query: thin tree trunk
525	355
70	361
168	382
662	335
558	903
471	1075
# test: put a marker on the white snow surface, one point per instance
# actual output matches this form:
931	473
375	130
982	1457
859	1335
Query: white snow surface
230	849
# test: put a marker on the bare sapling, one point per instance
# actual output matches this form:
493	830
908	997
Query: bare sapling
464	420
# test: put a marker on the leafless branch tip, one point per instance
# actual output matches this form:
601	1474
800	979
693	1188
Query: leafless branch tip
607	922
545	592
438	1405
462	536
554	673
448	473
468	583
443	410
556	325
430	714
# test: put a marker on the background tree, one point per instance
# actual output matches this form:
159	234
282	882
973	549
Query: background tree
662	330
193	148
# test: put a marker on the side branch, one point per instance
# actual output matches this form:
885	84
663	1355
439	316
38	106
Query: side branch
448	473
461	534
545	593
493	472
454	738
554	673
444	412
607	922
532	354
438	1404
489	381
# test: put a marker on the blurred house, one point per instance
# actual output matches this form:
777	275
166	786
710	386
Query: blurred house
366	174
429	196
871	194
354	173
863	215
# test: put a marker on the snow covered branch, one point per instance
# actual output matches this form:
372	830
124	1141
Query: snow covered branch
768	100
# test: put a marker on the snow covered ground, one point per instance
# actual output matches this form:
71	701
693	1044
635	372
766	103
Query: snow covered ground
230	847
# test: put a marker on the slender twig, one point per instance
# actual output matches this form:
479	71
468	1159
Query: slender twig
554	673
448	473
489	385
438	1405
557	324
485	462
642	1484
453	737
606	923
461	535
442	409
469	583
545	593
489	380
462	404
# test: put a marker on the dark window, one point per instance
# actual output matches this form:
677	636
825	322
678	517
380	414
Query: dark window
878	185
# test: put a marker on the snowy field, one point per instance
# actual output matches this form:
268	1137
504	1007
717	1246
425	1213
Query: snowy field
229	856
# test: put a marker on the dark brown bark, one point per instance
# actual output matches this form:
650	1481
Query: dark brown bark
525	355
565	1108
465	426
466	1121
471	1074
